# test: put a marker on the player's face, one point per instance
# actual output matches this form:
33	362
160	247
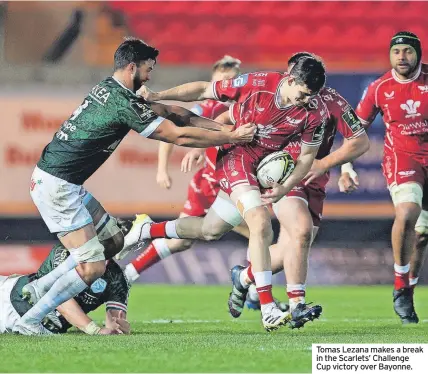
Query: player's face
403	59
141	73
221	75
298	94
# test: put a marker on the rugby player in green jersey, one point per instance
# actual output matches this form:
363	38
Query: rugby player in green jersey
82	144
112	289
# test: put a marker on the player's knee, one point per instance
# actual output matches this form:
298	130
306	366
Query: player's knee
212	232
185	245
406	214
303	237
91	271
111	236
259	223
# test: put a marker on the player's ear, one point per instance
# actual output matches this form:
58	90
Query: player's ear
133	68
291	80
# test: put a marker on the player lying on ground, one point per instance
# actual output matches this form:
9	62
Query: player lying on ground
203	188
276	103
401	97
82	144
300	211
112	289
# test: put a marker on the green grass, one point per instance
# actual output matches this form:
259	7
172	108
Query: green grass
202	337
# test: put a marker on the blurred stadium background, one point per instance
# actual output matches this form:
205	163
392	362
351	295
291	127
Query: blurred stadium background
52	53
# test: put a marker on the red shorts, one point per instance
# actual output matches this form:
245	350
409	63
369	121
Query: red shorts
202	192
400	167
234	169
314	196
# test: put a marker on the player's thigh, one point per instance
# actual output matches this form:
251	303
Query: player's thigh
294	216
60	203
222	217
106	226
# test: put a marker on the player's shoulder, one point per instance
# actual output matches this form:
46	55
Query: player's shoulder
424	68
265	79
381	81
316	110
333	100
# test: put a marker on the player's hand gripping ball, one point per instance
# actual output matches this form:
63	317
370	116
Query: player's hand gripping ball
276	167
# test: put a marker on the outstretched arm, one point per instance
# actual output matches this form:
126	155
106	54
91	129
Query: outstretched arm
163	178
184	117
193	91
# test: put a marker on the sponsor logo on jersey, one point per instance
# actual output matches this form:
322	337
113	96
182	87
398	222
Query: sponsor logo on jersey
389	96
411	107
225	83
98	286
260	110
327	97
34	183
406	173
293	121
224	183
265	131
319	133
100	94
419	127
260	75
424	89
352	120
240	81
259	82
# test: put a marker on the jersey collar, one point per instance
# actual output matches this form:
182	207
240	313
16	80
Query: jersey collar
122	85
278	95
418	73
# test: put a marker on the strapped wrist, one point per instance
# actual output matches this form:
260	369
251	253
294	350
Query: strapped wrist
91	328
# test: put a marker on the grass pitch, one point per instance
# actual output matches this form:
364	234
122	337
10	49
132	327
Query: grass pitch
188	329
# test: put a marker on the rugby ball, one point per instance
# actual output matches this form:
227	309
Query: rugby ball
276	167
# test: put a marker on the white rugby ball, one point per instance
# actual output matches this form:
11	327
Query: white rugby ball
276	167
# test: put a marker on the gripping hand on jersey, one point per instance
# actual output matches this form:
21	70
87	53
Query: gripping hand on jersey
193	157
274	194
147	94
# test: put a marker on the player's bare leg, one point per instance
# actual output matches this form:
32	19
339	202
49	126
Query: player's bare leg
257	217
419	253
160	249
403	239
104	234
291	253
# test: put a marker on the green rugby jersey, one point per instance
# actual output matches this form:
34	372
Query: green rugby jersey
111	289
94	130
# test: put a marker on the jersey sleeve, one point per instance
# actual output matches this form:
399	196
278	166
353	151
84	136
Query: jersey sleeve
140	117
118	289
367	108
233	89
348	123
313	132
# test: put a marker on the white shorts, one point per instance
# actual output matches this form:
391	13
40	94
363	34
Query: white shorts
8	315
60	203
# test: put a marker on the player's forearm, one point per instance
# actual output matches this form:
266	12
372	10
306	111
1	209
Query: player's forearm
349	151
184	117
74	314
193	91
200	138
164	154
303	165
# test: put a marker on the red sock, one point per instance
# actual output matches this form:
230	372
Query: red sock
401	280
265	294
250	273
158	230
146	259
296	293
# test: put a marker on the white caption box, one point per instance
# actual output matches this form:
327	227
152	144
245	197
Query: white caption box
370	358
